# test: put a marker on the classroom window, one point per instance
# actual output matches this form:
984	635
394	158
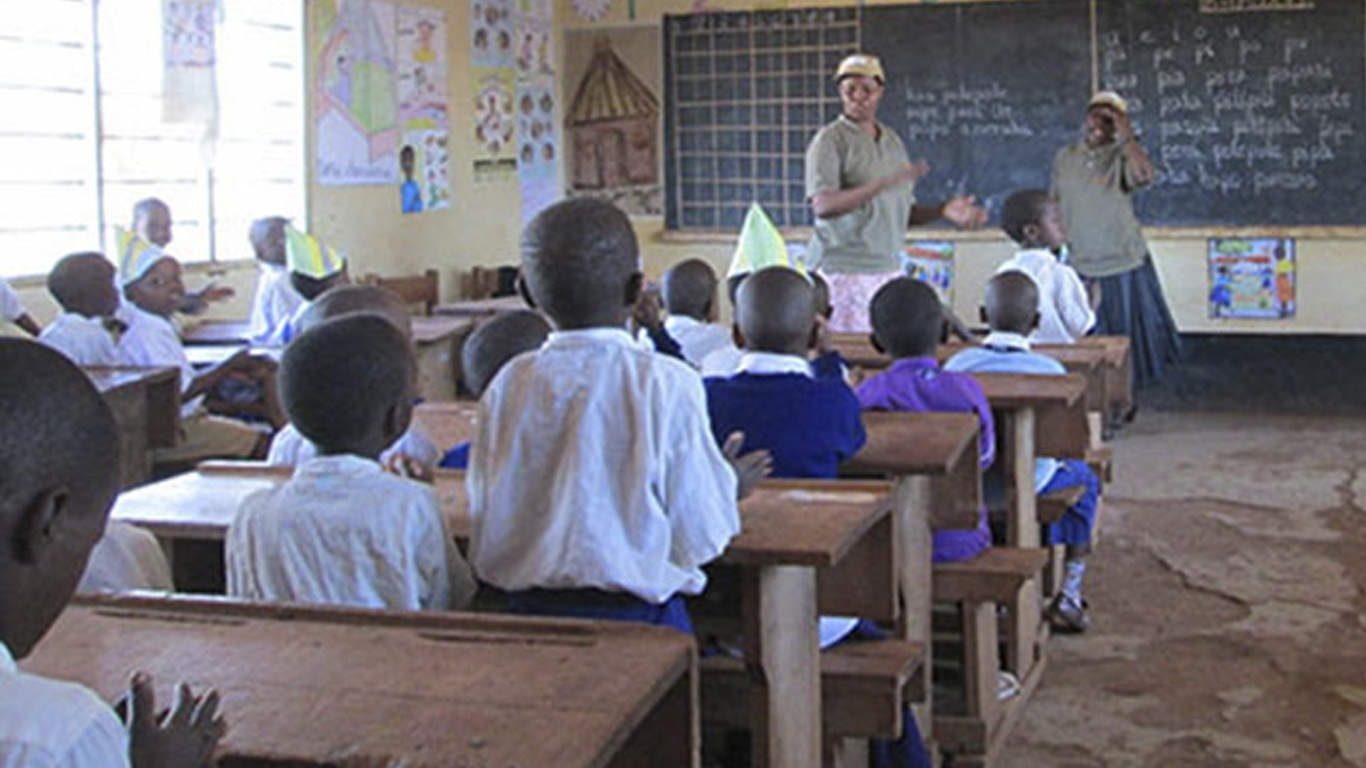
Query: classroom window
82	135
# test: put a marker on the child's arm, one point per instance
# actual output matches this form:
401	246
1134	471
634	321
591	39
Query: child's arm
184	736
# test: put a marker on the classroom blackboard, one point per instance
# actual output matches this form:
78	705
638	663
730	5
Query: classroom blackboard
1251	109
1254	111
744	93
986	92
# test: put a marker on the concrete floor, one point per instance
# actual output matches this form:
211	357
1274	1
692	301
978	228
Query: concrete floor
1228	619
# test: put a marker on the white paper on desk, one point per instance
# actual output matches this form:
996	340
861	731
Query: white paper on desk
829	497
833	629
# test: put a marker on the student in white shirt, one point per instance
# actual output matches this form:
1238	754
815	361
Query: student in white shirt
342	530
12	309
276	300
414	450
84	285
689	292
153	288
152	223
595	487
58	452
1067	310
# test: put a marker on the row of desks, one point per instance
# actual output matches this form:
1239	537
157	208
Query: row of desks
795	549
438	340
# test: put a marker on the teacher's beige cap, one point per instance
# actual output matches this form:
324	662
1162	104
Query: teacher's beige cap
860	65
1109	99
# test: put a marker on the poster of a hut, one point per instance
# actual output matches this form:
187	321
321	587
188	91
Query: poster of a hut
612	125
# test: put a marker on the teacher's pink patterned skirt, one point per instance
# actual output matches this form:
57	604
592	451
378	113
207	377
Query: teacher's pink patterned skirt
850	295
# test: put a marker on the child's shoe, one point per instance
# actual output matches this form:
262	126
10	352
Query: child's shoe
1068	616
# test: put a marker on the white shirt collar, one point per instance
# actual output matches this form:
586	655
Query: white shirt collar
590	336
681	321
338	464
6	660
769	362
1007	340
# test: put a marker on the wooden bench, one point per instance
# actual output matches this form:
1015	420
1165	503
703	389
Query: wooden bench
999	576
305	685
146	406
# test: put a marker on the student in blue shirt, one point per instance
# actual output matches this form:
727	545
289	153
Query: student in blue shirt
1012	311
808	422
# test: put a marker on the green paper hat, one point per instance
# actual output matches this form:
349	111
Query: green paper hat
760	246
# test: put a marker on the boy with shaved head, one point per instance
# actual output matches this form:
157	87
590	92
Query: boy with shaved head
59	471
83	284
289	447
689	291
1012	310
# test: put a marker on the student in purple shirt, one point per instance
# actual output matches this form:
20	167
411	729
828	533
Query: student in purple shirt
908	323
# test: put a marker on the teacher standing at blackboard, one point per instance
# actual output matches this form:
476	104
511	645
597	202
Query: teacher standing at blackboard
1093	181
861	186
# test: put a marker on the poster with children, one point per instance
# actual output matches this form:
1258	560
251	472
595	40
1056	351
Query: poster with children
931	261
423	109
1251	278
495	124
538	147
491	33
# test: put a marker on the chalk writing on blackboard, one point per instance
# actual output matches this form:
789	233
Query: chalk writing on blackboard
1248	6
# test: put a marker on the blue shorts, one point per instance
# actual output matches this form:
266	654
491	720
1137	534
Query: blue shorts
599	604
1080	519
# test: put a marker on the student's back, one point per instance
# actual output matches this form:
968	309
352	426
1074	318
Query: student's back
342	530
808	424
595	486
908	323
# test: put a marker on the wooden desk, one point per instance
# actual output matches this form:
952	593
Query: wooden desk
326	686
447	424
1119	372
146	405
936	465
480	307
438	341
793	530
212	332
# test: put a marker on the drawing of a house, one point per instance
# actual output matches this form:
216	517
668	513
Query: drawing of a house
613	123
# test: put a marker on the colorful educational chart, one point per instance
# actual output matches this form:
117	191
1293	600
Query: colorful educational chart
189	84
423	110
1252	277
537	110
495	124
355	91
931	261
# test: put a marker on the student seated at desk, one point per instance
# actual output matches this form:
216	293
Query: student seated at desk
486	351
1067	311
314	268
85	285
908	324
59	448
276	300
1011	309
595	487
808	424
689	293
152	223
414	452
153	288
12	310
342	530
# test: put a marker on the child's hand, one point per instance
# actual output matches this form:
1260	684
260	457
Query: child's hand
749	468
184	736
647	313
407	466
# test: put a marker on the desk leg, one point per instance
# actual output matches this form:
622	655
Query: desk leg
784	665
1023	521
914	548
1025	630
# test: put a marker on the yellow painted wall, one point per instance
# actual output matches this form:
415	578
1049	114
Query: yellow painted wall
482	225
